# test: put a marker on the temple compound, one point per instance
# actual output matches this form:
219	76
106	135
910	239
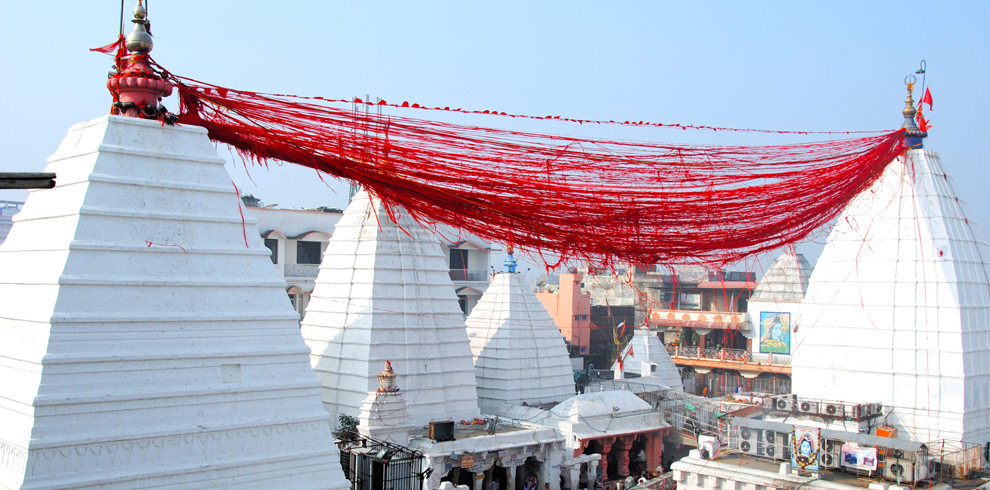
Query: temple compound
391	348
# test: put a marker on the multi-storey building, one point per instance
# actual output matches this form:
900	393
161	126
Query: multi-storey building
570	309
298	239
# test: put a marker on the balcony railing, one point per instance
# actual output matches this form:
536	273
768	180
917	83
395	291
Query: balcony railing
302	270
734	355
471	275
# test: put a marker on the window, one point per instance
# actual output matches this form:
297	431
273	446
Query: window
272	245
458	259
307	252
462	300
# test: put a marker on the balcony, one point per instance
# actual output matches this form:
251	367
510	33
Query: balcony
728	320
738	359
302	270
469	275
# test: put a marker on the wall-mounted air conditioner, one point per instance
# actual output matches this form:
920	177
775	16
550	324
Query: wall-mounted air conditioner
784	404
809	407
833	410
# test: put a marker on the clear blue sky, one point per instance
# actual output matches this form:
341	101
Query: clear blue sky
786	65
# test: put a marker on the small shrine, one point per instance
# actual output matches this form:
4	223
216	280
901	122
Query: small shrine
519	354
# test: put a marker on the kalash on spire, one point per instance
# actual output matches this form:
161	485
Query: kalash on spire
137	89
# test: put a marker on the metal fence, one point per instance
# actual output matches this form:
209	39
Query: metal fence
377	465
736	355
952	460
302	270
468	275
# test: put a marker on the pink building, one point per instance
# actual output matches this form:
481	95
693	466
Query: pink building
570	309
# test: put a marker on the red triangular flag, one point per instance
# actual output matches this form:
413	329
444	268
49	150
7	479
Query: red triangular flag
109	48
927	99
631	352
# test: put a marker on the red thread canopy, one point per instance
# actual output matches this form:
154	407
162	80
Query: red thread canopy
588	199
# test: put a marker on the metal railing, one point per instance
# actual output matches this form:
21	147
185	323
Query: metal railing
735	355
378	465
302	270
473	275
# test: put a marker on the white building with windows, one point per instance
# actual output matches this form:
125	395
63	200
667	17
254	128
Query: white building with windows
470	266
298	238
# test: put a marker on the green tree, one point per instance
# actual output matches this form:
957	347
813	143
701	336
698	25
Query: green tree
346	429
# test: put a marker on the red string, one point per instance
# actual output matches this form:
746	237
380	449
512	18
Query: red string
241	210
150	243
590	199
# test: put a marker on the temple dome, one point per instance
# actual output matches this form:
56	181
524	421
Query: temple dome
384	293
785	280
645	346
147	340
602	403
519	354
898	307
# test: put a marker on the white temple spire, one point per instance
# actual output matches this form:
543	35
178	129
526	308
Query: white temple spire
384	293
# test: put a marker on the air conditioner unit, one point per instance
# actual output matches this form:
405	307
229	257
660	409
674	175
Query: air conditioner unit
832	455
834	410
770	436
853	411
748	440
907	470
867	409
808	407
776	445
773	451
784	404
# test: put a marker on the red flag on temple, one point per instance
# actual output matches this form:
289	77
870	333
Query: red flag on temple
927	99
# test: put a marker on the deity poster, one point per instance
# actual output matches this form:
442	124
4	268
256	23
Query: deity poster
805	444
775	332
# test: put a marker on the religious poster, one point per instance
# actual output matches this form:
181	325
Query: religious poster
805	448
775	332
860	458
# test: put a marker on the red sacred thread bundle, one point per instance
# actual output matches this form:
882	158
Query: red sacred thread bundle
587	199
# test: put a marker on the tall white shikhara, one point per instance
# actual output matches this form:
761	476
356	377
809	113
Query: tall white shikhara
144	345
898	307
384	293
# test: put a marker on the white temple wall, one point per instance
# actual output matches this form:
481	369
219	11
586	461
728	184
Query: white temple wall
897	308
383	295
145	344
